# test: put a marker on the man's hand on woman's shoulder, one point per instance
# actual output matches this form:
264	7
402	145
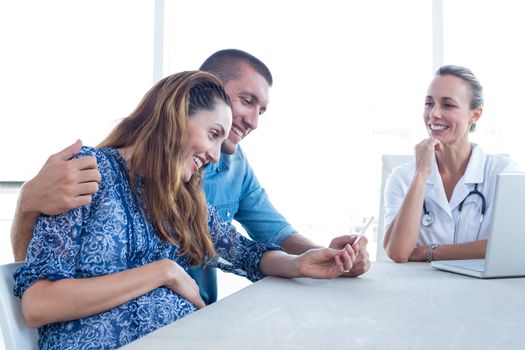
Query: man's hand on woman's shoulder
62	184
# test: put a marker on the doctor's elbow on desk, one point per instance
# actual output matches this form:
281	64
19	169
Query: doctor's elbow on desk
397	254
396	249
397	257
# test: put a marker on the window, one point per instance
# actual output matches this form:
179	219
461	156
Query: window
484	36
349	84
69	70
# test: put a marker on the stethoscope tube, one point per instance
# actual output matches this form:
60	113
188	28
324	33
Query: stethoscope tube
428	217
475	192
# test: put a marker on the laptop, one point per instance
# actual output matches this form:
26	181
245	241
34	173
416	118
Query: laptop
505	256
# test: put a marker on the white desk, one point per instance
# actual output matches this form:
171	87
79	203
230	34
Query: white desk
393	306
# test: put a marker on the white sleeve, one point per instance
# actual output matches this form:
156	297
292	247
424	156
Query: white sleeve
395	191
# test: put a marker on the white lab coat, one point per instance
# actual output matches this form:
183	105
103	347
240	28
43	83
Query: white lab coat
481	170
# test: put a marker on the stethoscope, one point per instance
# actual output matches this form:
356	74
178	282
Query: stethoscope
428	217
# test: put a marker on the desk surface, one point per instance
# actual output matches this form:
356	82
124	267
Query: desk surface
393	306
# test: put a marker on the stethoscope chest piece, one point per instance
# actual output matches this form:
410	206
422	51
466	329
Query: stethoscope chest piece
428	218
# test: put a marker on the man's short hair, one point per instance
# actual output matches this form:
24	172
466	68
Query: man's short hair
225	65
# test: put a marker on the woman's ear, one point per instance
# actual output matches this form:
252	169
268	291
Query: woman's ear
476	114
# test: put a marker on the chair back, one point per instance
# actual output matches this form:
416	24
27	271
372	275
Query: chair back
17	335
389	162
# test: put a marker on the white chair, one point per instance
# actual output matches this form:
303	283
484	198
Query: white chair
389	162
17	335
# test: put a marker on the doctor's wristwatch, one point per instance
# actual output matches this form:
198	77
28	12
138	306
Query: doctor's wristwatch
430	251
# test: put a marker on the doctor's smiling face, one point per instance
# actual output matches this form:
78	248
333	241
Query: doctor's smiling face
448	113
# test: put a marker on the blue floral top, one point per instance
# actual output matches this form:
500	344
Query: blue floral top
110	235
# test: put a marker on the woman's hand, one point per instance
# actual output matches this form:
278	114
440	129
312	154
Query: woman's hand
425	151
327	262
419	254
362	262
402	233
181	283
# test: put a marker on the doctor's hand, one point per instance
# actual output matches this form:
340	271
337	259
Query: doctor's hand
425	151
178	280
419	254
327	262
362	262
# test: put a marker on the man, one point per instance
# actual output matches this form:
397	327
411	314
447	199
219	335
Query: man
230	185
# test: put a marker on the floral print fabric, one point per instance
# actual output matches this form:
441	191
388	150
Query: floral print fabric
113	234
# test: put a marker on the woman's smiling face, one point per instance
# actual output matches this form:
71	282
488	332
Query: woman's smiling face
206	130
447	113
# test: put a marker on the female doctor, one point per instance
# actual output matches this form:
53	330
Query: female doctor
439	206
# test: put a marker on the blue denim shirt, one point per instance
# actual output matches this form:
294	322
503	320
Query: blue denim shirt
232	188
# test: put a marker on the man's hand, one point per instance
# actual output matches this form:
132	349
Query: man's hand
61	184
362	263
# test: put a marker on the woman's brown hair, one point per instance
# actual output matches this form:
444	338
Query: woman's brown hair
157	132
